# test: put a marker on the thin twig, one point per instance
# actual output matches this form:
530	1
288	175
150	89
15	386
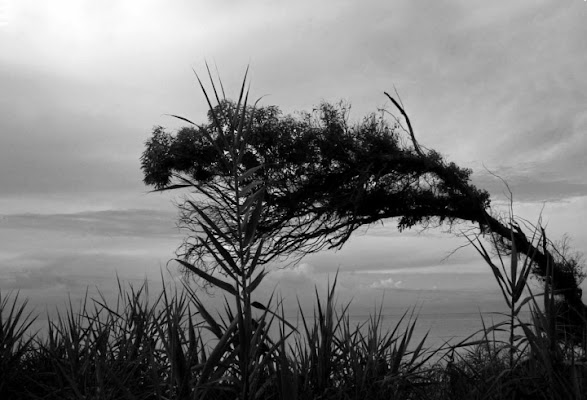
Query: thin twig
411	130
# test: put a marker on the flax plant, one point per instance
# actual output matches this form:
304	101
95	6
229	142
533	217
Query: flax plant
536	356
336	360
227	218
14	345
512	282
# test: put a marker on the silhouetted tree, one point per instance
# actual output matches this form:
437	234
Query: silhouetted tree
326	177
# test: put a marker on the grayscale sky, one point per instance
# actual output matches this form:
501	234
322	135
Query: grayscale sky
496	86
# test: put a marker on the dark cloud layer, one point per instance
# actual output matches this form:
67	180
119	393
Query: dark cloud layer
530	186
49	257
128	223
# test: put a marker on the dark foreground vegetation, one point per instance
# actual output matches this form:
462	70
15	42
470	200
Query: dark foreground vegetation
171	348
266	188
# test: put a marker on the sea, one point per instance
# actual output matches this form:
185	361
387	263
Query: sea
441	320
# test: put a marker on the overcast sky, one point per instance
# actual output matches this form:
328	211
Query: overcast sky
496	85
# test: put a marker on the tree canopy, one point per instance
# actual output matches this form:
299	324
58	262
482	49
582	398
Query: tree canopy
325	177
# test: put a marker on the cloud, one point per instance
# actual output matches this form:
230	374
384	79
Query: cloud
538	185
476	267
50	279
110	223
67	252
46	267
412	250
388	283
300	273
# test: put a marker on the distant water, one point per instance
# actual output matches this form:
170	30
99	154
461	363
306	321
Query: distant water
444	327
439	329
443	323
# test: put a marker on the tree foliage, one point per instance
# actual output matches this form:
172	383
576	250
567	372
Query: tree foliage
324	176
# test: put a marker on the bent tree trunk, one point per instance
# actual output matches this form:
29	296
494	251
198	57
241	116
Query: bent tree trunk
556	276
559	279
